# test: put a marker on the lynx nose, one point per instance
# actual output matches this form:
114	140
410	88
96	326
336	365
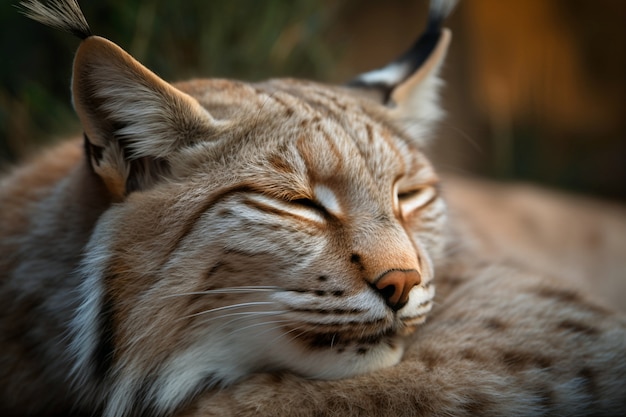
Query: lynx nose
395	286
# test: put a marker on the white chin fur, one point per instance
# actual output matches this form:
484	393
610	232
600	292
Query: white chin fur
330	364
237	356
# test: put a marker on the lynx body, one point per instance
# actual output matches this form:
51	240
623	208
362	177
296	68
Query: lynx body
203	232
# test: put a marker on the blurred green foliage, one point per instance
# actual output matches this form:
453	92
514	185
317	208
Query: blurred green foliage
176	39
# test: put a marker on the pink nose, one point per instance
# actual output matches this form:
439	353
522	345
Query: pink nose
395	286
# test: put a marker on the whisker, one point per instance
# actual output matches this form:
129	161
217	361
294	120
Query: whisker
266	323
230	322
258	325
460	133
230	290
298	335
230	307
246	314
273	328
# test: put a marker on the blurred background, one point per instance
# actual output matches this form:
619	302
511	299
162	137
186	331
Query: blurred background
535	89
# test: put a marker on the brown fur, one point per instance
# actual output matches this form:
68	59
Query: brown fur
171	270
576	238
490	348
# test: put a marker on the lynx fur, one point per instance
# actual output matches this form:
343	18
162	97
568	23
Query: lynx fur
216	247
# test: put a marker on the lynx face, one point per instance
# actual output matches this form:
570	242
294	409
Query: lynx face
285	225
303	238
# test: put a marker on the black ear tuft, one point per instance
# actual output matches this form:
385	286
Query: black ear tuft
60	14
385	79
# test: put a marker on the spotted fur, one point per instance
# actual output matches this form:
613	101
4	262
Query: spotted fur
205	232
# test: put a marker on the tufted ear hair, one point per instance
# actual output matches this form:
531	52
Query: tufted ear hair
409	86
133	120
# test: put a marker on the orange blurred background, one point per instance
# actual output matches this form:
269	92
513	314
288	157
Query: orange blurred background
535	89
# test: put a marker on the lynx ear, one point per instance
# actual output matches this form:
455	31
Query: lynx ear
132	119
409	86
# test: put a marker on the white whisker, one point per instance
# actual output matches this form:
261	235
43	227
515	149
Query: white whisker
247	313
258	325
231	290
229	307
292	330
245	316
251	315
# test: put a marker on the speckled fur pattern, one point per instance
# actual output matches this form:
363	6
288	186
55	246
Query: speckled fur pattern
217	247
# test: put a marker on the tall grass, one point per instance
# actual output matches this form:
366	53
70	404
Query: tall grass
176	39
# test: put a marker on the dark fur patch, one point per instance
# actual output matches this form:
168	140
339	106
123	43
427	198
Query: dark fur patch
333	98
338	311
578	327
104	351
430	359
588	378
142	398
562	295
280	165
324	340
333	339
477	404
518	360
370	134
546	399
144	172
93	153
277	377
241	252
212	271
495	324
569	297
471	355
194	298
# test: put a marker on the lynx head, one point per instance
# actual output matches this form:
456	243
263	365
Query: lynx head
283	225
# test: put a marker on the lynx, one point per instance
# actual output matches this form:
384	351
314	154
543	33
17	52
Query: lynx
217	247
